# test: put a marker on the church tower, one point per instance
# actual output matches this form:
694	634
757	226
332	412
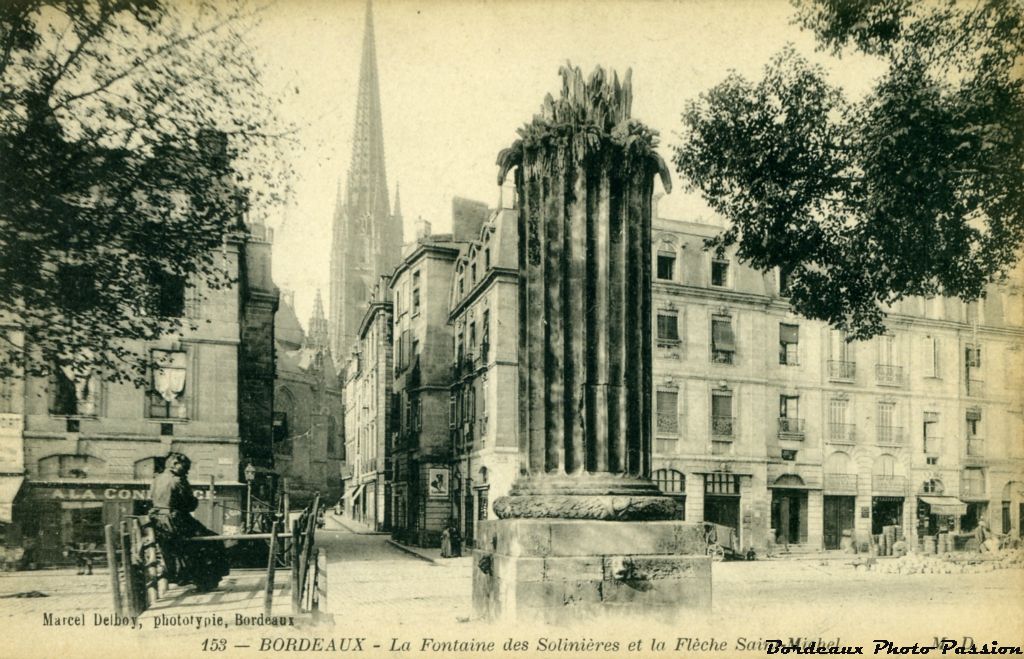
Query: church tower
317	335
366	237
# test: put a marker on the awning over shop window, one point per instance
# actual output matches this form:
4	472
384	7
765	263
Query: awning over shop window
358	491
9	488
945	505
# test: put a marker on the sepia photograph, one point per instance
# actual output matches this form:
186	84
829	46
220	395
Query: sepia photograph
480	328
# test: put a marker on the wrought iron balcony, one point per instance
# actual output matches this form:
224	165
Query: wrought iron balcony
722	426
790	426
888	484
842	433
843	371
888	374
722	356
890	436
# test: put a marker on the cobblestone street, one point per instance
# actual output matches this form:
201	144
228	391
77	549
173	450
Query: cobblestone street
381	592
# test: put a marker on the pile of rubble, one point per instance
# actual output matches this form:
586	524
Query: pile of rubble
948	563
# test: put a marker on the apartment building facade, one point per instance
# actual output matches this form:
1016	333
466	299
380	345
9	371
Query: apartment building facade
483	412
80	453
370	415
779	427
423	352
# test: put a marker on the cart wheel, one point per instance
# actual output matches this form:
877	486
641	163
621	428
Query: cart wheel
716	553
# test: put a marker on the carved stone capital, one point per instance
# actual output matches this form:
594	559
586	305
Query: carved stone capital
588	506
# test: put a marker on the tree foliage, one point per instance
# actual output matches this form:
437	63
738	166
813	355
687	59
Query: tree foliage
133	138
917	188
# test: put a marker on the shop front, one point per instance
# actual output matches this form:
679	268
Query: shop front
886	511
53	517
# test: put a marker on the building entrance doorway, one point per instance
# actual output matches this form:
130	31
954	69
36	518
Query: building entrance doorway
839	516
789	516
724	510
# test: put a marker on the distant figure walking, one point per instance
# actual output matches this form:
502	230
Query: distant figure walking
200	563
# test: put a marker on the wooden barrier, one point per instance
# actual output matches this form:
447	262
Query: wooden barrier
136	575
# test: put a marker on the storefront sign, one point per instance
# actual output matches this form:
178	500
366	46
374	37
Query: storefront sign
100	493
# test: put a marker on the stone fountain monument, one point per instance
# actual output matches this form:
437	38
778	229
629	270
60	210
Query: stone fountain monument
584	531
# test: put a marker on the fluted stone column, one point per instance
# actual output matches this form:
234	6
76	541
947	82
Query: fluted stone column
583	531
584	173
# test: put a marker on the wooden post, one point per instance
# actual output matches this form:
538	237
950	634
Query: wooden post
284	488
296	545
129	577
308	541
268	590
321	580
115	581
211	507
150	564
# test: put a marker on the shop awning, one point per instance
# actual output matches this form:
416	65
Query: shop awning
945	505
358	491
9	487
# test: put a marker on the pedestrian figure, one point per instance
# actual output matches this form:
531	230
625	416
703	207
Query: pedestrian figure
200	563
981	534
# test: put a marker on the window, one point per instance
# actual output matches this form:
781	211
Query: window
723	342
472	273
932	486
416	292
887	372
668	327
666	265
462	286
785	279
972	356
453	410
886	350
721	483
888	433
841	366
167	394
930	432
398	303
838	429
668	412
789	344
789	415
471	348
972	482
280	426
168	293
72	394
789	454
487	258
76	287
719	272
670	482
485	333
70	466
931	357
973	423
721	414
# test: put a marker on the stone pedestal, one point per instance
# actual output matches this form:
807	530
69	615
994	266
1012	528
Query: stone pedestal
551	571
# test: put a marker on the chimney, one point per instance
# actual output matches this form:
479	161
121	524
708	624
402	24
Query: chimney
422	229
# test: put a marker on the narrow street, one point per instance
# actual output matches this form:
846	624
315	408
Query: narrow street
371	581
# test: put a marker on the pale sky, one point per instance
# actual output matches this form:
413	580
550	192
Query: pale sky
458	77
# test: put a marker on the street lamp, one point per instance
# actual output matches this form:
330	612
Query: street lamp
250	476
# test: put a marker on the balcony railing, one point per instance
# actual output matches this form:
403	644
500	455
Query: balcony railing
975	448
841	483
722	356
975	388
791	426
840	370
888	374
890	436
722	426
881	484
842	433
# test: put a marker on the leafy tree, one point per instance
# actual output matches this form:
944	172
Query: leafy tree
917	188
133	138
